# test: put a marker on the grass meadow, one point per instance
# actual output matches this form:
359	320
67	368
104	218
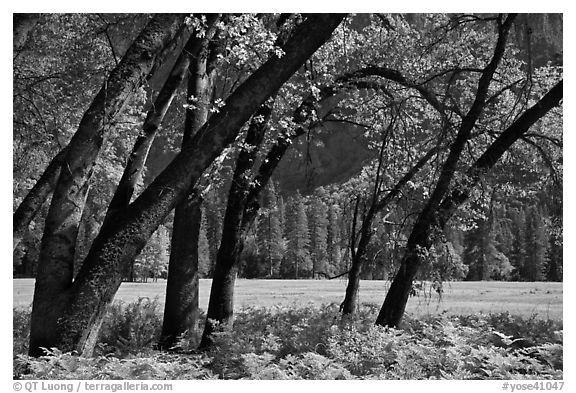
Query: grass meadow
287	329
543	299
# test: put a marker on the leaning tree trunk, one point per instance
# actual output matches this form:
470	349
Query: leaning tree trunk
56	262
395	302
246	208
114	249
181	305
350	302
45	185
135	164
35	198
420	239
221	303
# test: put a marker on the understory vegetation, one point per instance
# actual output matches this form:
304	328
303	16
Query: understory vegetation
308	342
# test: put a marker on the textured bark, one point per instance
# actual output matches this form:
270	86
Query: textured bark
114	249
244	208
35	198
181	305
55	272
58	242
302	115
47	182
350	302
135	164
23	24
420	239
221	303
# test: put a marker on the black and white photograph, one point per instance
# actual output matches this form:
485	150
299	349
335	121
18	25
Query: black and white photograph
287	196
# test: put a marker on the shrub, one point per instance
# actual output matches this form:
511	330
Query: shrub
20	330
310	342
130	328
58	365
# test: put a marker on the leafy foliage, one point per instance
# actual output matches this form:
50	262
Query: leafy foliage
153	261
312	342
131	328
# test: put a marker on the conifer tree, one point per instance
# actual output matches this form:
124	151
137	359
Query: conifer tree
503	230
318	229
333	240
271	244
518	251
535	245
298	263
553	262
484	260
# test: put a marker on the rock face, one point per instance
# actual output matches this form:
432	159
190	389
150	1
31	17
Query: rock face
332	155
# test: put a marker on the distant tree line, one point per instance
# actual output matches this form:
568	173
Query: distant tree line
459	117
305	237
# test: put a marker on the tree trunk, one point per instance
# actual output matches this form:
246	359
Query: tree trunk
420	239
55	273
350	302
114	249
58	242
221	303
235	237
47	182
35	198
359	256
135	165
181	306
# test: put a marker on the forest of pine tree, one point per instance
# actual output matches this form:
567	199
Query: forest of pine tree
398	147
510	241
303	238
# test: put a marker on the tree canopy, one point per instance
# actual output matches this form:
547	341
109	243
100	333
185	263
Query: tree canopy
399	147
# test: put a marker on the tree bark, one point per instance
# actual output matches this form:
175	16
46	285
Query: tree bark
56	263
47	182
113	249
420	239
135	165
35	198
350	302
181	305
221	303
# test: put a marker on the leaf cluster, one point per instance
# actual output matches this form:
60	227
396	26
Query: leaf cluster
312	342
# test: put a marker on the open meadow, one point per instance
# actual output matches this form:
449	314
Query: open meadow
543	299
291	329
264	153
